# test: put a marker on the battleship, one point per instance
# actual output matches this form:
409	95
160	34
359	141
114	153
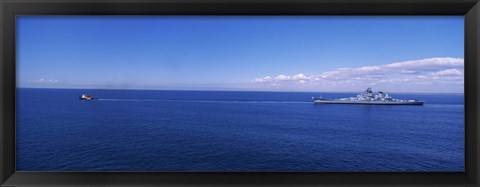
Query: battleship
368	98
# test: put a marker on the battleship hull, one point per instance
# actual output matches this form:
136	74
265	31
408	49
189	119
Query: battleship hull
324	101
368	98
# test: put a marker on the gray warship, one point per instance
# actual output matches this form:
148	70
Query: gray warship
368	98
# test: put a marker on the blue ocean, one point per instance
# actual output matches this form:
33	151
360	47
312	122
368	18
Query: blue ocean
147	130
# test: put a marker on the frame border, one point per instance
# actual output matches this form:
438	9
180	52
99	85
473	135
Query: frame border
11	8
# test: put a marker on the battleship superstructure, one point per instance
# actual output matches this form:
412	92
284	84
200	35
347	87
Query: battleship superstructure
368	98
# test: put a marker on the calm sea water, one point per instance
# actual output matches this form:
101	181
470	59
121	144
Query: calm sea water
134	130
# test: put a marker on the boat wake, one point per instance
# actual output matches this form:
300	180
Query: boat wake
206	101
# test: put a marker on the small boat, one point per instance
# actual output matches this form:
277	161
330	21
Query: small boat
86	97
368	98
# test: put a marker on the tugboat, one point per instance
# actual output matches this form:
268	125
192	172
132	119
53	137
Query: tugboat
368	98
86	97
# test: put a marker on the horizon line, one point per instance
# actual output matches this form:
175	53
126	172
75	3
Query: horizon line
230	90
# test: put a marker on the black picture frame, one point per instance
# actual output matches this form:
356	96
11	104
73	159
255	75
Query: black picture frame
11	8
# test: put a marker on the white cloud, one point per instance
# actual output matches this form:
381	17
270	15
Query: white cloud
423	71
369	68
449	72
428	62
44	81
282	77
422	77
408	72
264	79
301	78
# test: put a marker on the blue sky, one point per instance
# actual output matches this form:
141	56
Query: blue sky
269	53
